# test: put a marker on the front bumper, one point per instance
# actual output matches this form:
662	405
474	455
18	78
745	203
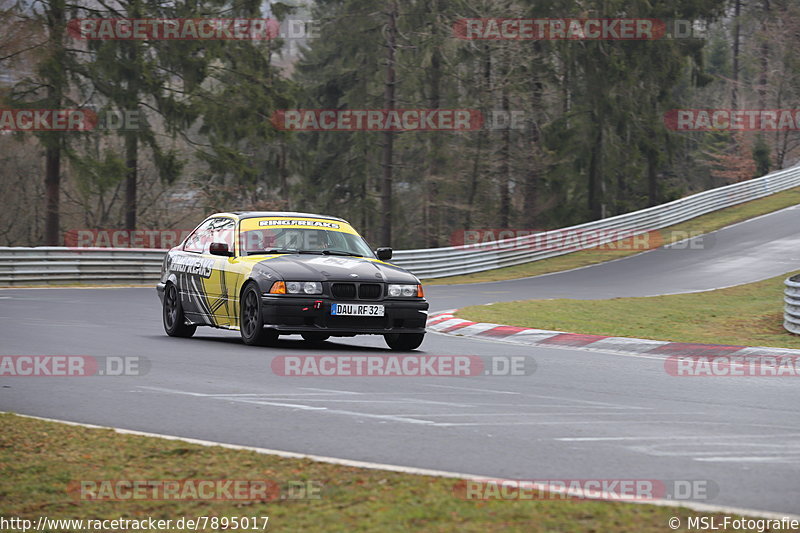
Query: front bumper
298	315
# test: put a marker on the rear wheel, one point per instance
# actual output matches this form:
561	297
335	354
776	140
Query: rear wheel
174	320
315	337
404	341
251	322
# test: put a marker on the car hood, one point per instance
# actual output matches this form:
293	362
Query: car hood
301	267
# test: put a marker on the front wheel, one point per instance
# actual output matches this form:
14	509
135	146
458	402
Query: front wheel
404	341
251	322
174	320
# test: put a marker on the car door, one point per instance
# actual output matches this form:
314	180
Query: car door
222	285
203	278
191	265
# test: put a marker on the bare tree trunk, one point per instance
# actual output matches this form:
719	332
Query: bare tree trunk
531	192
131	159
737	10
283	172
763	75
762	164
131	139
505	166
652	179
52	193
595	172
52	141
473	184
388	146
433	208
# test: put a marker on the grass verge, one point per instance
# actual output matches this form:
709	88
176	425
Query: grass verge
749	315
40	459
702	224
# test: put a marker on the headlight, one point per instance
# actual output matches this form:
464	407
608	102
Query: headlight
303	287
404	290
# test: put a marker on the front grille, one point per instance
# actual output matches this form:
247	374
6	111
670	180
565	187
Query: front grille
370	291
343	290
365	291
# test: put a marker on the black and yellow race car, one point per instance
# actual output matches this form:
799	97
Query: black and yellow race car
279	273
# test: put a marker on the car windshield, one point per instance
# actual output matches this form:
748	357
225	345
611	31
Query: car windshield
303	240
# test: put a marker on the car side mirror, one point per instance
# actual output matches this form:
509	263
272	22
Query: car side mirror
384	254
220	248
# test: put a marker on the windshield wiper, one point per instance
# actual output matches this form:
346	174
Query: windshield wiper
284	251
274	251
296	251
340	252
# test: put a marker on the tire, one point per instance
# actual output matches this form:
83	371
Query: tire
404	341
315	337
172	314
251	321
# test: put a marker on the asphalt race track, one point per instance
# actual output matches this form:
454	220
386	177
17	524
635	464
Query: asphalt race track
753	250
581	415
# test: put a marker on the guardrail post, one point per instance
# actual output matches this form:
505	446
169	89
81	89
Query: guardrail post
791	309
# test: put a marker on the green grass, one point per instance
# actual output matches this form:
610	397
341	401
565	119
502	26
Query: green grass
703	224
39	460
749	315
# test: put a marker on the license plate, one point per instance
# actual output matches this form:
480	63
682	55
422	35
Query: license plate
356	310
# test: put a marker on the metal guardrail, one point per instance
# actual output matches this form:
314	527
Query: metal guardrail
43	265
58	265
457	260
791	309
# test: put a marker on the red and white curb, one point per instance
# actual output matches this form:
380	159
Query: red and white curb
446	322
